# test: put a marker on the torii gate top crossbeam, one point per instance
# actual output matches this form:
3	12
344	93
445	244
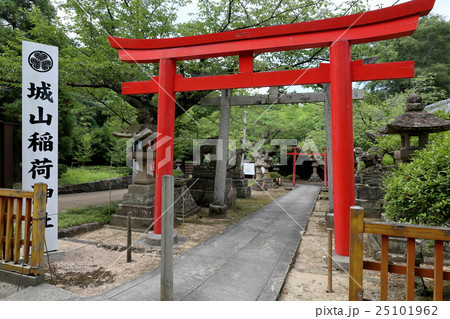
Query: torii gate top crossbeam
370	26
387	23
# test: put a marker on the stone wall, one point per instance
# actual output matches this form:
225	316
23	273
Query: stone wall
201	186
102	185
369	191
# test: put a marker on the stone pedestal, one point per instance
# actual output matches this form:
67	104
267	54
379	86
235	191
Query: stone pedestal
185	204
202	187
154	240
140	201
266	179
240	184
259	184
218	211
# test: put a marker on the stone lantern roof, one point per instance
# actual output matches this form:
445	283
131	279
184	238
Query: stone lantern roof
415	120
134	129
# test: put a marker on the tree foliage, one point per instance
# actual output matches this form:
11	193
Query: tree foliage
429	47
417	192
91	73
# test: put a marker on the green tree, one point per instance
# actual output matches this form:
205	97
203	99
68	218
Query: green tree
91	72
84	150
429	47
417	192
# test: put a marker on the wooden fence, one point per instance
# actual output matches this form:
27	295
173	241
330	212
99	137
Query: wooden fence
22	229
358	227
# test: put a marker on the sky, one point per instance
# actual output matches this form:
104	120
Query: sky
441	7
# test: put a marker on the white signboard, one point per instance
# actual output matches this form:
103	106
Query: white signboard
249	168
40	128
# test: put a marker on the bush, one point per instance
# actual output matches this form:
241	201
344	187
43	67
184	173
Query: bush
418	192
387	160
274	175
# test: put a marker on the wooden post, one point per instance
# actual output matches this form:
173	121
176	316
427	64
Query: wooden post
330	260
38	230
6	155
342	141
356	253
329	151
165	127
384	270
410	268
438	270
129	237
167	239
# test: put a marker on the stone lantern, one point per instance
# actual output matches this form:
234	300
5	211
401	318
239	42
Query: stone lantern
414	122
140	198
314	178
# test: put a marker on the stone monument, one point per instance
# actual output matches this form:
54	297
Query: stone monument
201	184
239	182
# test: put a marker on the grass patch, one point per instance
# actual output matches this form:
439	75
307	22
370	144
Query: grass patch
83	215
84	174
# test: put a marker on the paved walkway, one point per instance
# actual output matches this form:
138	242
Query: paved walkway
66	201
247	261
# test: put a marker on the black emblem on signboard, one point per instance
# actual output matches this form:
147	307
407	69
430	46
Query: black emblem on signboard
40	61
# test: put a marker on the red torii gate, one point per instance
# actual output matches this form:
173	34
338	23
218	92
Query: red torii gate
337	33
294	165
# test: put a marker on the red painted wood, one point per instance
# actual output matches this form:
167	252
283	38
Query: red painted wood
294	152
165	129
246	63
294	164
360	72
367	33
342	143
382	71
411	8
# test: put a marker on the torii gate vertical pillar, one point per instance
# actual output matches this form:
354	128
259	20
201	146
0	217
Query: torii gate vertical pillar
165	128
342	142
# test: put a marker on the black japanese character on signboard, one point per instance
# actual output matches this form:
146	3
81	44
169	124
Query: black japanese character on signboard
40	119
42	142
41	167
47	219
41	92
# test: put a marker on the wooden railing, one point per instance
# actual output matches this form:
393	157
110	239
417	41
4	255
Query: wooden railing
22	229
358	227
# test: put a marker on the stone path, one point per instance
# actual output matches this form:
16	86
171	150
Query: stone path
247	261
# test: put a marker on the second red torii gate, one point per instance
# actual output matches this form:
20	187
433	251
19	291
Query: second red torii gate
294	165
337	33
